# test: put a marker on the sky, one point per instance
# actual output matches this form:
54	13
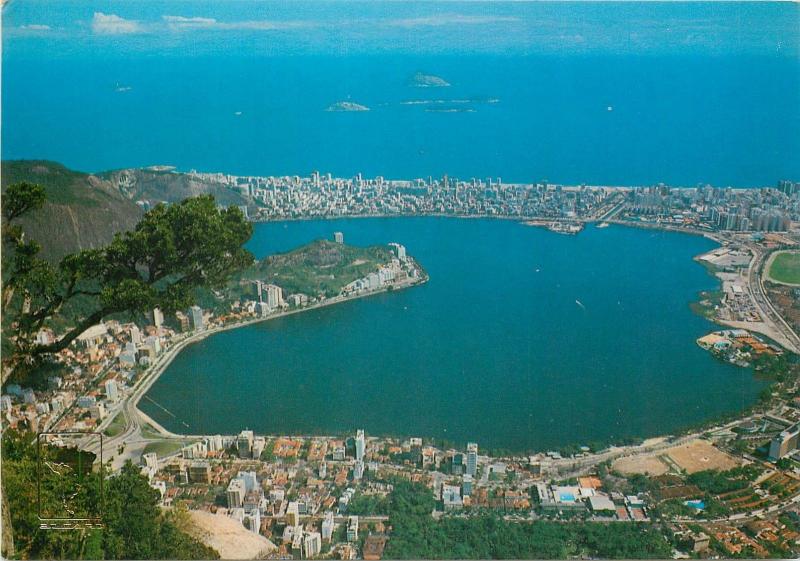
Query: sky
113	28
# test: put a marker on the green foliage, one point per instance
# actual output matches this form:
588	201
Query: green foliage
368	505
321	267
416	535
639	483
134	527
718	482
58	181
170	253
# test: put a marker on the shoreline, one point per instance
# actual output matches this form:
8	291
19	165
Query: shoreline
694	430
174	351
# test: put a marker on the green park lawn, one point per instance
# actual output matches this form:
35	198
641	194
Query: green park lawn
116	426
786	268
163	448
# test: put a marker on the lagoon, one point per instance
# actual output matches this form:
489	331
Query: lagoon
522	339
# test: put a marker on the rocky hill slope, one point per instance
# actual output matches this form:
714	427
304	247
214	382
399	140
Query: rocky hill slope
82	211
85	210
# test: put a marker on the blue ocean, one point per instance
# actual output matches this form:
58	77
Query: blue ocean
596	93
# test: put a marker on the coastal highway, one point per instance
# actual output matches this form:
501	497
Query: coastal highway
755	279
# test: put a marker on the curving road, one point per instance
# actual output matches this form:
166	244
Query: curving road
755	279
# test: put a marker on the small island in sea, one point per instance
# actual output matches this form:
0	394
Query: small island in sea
346	106
421	80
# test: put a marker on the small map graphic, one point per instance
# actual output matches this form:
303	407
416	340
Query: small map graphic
69	489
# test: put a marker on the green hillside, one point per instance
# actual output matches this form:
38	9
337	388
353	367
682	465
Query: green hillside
320	267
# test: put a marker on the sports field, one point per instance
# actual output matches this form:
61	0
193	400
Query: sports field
785	267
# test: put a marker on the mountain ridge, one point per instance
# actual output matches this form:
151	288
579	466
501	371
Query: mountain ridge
85	210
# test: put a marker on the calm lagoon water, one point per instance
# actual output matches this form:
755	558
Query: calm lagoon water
522	339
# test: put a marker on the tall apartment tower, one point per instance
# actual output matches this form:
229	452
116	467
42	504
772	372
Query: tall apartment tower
472	459
361	445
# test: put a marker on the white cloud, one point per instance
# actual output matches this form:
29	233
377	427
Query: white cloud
181	22
36	27
450	19
112	24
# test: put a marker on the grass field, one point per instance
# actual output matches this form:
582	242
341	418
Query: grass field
785	268
163	448
116	426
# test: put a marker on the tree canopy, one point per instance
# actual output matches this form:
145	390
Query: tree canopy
172	251
133	525
416	535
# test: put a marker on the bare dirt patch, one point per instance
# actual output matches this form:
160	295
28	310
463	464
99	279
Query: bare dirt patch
699	455
644	464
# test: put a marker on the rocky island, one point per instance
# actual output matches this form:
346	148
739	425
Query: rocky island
340	106
421	80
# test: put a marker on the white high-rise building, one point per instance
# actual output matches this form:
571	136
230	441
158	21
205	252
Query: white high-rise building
274	296
158	318
400	250
361	445
236	492
312	544
196	317
338	237
111	390
250	480
136	335
472	459
292	514
154	344
358	470
328	526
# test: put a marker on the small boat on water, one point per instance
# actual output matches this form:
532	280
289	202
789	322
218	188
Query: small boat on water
603	225
579	303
